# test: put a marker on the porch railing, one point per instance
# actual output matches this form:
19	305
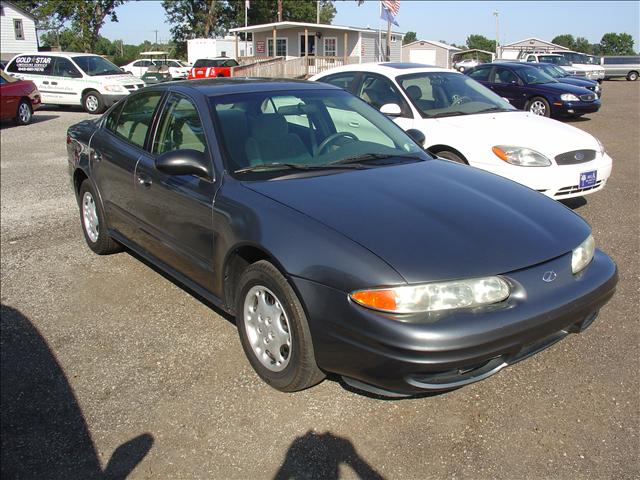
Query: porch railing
299	67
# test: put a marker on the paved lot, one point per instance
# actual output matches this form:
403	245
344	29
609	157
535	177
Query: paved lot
109	368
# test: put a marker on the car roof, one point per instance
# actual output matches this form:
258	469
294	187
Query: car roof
58	54
388	69
212	87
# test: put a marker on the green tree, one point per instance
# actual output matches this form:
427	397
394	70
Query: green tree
565	40
266	11
481	42
65	40
409	37
617	44
193	19
582	45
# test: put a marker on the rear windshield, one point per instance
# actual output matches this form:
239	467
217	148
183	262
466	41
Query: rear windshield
208	62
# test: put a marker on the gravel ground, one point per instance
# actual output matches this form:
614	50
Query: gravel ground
110	369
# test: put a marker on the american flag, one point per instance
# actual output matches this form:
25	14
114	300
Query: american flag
392	5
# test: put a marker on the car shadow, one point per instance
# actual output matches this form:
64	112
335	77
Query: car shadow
574	203
43	433
320	455
36	118
576	119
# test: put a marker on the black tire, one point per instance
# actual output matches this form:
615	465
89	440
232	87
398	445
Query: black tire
539	104
25	113
632	76
103	244
92	102
454	157
301	371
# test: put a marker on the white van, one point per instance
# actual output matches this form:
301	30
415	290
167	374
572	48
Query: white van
74	79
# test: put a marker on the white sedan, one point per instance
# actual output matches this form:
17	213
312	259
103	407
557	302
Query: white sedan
178	69
465	122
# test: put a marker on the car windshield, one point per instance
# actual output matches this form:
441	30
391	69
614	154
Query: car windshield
553	71
94	65
307	130
169	63
439	94
574	57
535	76
184	64
209	62
556	59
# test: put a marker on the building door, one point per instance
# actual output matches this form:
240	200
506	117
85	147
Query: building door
312	44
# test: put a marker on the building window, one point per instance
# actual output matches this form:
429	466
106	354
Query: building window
330	47
281	47
17	27
393	39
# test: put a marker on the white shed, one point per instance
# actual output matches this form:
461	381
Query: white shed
17	31
429	52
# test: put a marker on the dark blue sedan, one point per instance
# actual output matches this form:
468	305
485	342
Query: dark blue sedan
529	88
563	76
336	241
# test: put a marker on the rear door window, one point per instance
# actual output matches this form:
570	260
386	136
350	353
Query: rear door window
136	116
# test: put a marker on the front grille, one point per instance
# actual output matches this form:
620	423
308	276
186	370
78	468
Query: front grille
588	97
575	157
577	189
130	87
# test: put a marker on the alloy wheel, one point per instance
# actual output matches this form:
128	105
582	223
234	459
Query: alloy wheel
90	217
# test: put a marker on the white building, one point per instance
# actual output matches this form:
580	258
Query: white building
429	52
514	50
17	31
217	47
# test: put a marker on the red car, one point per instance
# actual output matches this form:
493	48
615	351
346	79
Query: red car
212	67
18	99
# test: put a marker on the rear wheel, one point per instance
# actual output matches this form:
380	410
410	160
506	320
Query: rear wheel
539	106
25	113
94	225
274	331
632	76
92	102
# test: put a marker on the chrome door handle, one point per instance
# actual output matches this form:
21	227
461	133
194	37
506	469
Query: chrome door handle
45	82
144	181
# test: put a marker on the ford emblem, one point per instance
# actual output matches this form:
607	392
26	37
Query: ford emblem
549	276
579	156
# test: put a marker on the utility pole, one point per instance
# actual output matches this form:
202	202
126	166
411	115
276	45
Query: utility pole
317	11
497	15
279	12
156	37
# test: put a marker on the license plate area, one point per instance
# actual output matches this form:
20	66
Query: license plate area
588	179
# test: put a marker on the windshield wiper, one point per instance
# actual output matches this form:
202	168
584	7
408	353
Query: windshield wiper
107	72
495	109
289	166
367	157
449	114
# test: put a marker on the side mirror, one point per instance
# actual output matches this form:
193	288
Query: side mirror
184	162
416	135
391	109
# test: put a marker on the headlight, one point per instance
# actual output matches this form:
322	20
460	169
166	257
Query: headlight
569	97
602	151
113	88
431	297
597	87
583	254
523	157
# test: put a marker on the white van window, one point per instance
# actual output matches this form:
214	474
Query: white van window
32	64
62	67
94	65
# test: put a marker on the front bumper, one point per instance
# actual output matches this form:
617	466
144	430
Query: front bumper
557	181
575	108
406	355
112	99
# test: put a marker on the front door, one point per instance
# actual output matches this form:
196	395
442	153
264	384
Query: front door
175	211
312	44
507	84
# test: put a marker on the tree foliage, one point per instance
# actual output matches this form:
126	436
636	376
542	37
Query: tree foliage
616	44
409	37
565	40
480	42
86	18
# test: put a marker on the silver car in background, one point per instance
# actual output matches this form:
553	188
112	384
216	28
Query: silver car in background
627	66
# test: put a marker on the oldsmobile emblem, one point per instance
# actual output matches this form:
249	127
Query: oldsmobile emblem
579	156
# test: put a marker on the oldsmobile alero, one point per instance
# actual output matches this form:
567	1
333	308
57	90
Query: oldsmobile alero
337	242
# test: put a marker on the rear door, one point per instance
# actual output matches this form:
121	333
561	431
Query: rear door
175	211
115	150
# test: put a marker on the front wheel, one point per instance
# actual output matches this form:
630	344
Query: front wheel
632	76
539	106
92	102
274	331
25	113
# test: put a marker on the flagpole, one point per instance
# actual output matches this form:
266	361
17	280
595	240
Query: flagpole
246	14
388	56
379	52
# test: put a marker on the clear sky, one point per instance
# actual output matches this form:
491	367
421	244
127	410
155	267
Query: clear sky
435	20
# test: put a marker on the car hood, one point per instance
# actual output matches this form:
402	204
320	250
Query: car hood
522	129
435	220
559	88
576	81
